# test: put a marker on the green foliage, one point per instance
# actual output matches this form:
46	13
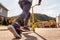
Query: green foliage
42	17
1	21
4	21
12	19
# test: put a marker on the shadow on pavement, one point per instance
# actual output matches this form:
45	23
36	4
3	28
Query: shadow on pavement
40	36
15	39
29	37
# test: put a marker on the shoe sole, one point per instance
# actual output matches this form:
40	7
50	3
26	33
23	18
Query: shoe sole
26	29
11	29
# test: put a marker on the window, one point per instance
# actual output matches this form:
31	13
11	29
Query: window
0	10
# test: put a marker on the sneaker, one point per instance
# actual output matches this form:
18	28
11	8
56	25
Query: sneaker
25	29
15	29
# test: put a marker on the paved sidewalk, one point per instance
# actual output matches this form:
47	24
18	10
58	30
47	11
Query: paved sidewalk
3	28
40	34
49	33
7	35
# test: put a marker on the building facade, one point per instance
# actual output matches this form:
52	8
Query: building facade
3	13
58	21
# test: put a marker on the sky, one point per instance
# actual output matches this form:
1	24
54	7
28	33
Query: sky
47	7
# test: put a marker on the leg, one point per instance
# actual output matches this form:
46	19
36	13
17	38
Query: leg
26	22
15	28
25	7
26	19
27	16
25	28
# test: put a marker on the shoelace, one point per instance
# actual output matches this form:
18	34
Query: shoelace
18	28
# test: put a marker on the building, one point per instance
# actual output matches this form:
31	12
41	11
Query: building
58	21
3	13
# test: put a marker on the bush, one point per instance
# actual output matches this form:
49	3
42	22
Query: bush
1	21
5	21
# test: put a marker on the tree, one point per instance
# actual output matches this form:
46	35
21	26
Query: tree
4	21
